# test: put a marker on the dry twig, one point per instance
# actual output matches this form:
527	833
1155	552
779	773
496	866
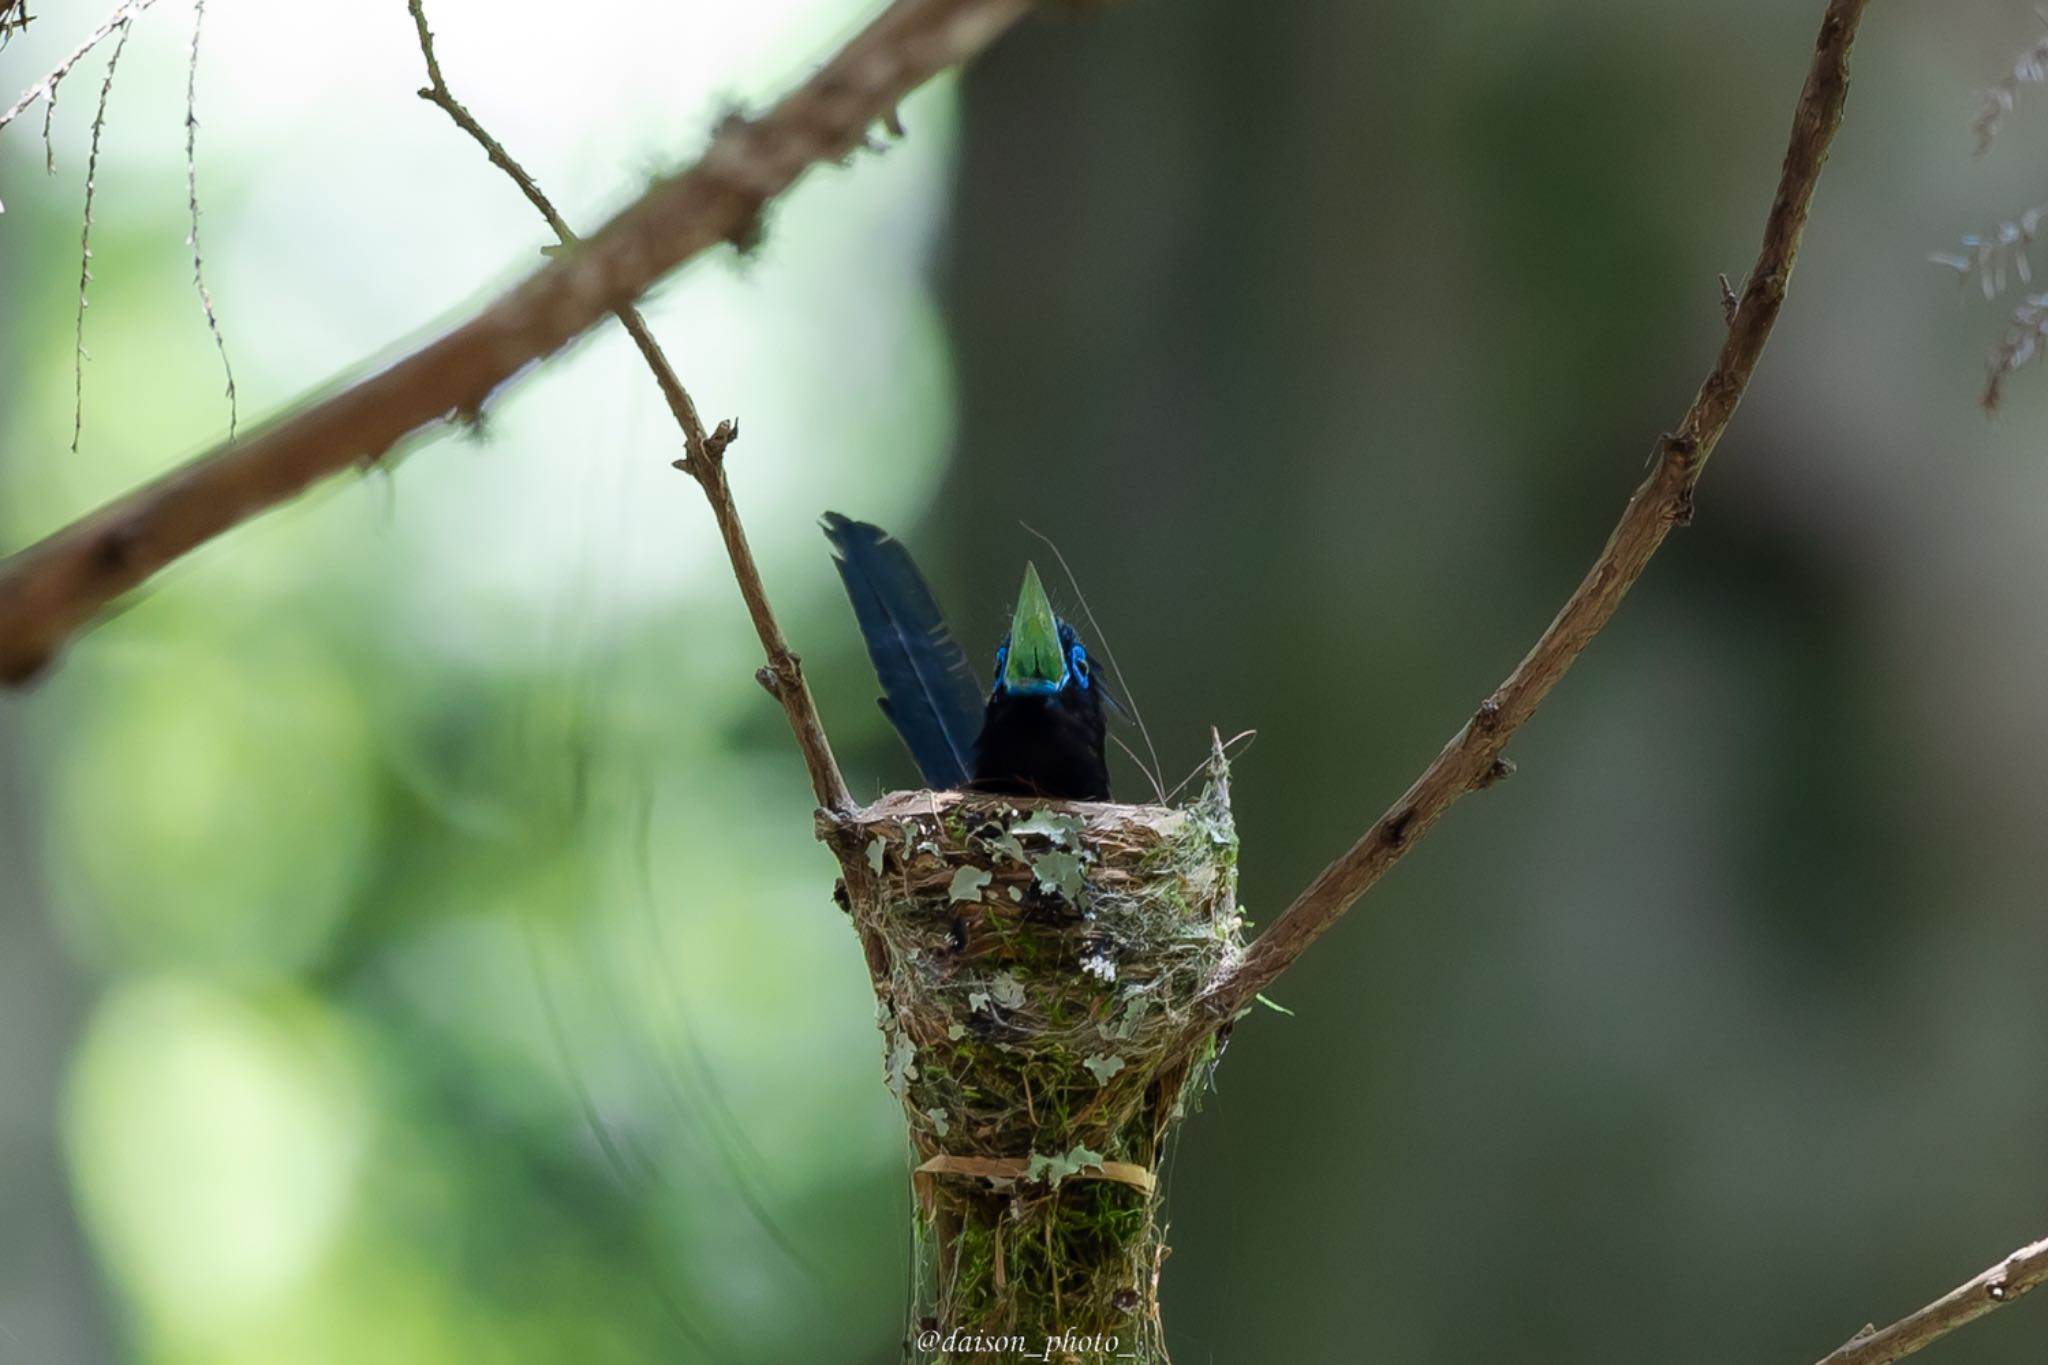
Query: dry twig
1473	759
703	457
53	589
1995	1288
92	169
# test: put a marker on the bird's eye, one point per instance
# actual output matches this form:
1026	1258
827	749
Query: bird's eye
1078	657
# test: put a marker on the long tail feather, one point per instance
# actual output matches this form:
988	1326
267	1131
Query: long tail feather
928	693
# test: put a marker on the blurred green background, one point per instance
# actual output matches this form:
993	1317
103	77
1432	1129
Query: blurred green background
412	948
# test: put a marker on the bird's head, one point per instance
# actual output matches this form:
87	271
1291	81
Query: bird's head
1041	656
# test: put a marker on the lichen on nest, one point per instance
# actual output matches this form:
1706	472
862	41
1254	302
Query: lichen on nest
1035	964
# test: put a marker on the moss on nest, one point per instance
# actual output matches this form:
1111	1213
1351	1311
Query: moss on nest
1034	965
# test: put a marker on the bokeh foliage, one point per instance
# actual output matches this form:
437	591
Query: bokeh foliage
411	944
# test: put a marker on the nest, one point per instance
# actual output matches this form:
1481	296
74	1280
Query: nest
1035	966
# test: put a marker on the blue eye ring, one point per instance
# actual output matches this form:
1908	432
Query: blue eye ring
1077	657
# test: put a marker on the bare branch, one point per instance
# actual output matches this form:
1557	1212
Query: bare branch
1472	759
51	590
1995	1288
703	457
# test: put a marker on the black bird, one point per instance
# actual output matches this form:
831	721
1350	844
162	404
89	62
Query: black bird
1041	730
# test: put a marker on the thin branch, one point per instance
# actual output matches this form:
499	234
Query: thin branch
1995	1288
51	590
703	457
220	343
1472	759
92	168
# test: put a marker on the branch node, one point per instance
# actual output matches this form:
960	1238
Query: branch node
1487	718
115	546
1729	303
1500	770
1682	507
770	684
726	432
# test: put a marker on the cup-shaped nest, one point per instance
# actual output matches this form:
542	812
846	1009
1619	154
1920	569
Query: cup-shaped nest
1037	965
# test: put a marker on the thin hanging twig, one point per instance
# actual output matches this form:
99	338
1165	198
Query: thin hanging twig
220	343
92	169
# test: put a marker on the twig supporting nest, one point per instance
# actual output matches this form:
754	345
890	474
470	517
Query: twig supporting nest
1035	965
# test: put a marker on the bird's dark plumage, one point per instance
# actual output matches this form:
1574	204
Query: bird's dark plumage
1041	730
928	694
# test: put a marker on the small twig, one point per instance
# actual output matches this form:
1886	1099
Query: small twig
1995	1288
46	88
220	342
14	18
54	588
1664	500
92	166
1729	302
703	457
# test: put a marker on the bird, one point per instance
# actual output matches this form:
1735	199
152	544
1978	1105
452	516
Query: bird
1040	728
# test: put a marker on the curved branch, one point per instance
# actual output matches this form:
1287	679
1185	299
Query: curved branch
1995	1288
53	589
1473	759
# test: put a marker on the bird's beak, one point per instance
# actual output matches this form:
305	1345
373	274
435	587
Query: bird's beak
1036	664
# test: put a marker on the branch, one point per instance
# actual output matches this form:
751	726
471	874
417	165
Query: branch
703	457
1995	1288
1473	759
53	589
